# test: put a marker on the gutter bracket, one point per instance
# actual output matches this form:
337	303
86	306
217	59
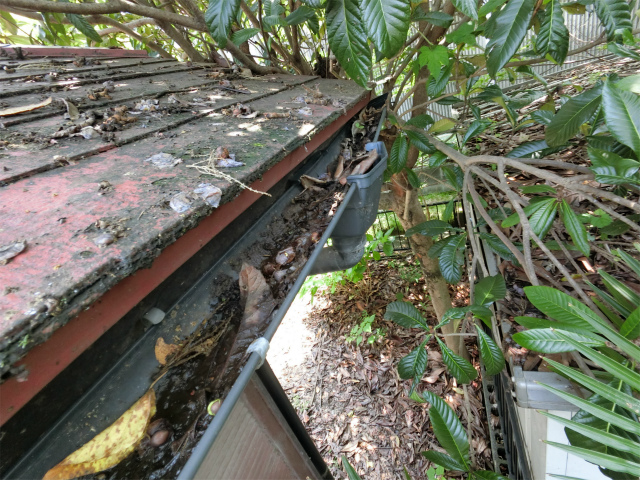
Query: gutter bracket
261	347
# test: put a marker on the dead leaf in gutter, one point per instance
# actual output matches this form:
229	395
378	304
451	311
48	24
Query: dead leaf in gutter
26	108
72	110
111	446
163	350
9	251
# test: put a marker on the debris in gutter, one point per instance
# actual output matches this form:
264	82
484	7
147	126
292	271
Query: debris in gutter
147	105
180	202
72	110
164	350
111	446
7	252
25	108
164	160
209	193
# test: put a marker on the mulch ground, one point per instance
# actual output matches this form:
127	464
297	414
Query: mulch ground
350	397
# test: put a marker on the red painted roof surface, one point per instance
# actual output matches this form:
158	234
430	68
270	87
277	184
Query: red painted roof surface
62	196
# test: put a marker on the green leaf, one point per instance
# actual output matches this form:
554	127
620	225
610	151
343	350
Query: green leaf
612	169
420	141
442	125
602	459
574	227
510	28
541	215
528	148
454	175
625	52
413	178
387	248
538	189
431	228
543	117
611	440
621	292
450	261
439	19
615	16
598	219
561	307
433	57
629	261
468	7
241	36
619	398
444	460
476	128
450	100
536	323
460	368
219	16
315	3
550	341
420	121
84	27
607	414
463	35
413	365
300	15
553	36
490	289
576	111
405	315
496	245
347	38
490	353
488	475
622	115
437	247
387	22
447	216
490	7
398	155
615	368
351	472
448	429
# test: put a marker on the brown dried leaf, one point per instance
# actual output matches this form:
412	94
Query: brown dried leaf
25	108
164	350
111	446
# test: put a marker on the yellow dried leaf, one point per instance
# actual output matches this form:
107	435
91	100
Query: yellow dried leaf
111	446
26	108
163	350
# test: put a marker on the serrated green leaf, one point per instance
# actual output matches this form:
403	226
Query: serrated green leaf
476	128
490	353
463	35
448	429
550	341
624	52
527	149
489	290
219	16
509	29
496	245
574	227
398	155
420	141
439	19
612	169
84	27
541	215
576	111
413	178
241	36
315	3
468	7
413	365
622	115
443	460
450	264
387	22
615	17
431	228
490	7
538	189
598	219
460	368
300	15
405	315
420	121
553	35
433	57
347	38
